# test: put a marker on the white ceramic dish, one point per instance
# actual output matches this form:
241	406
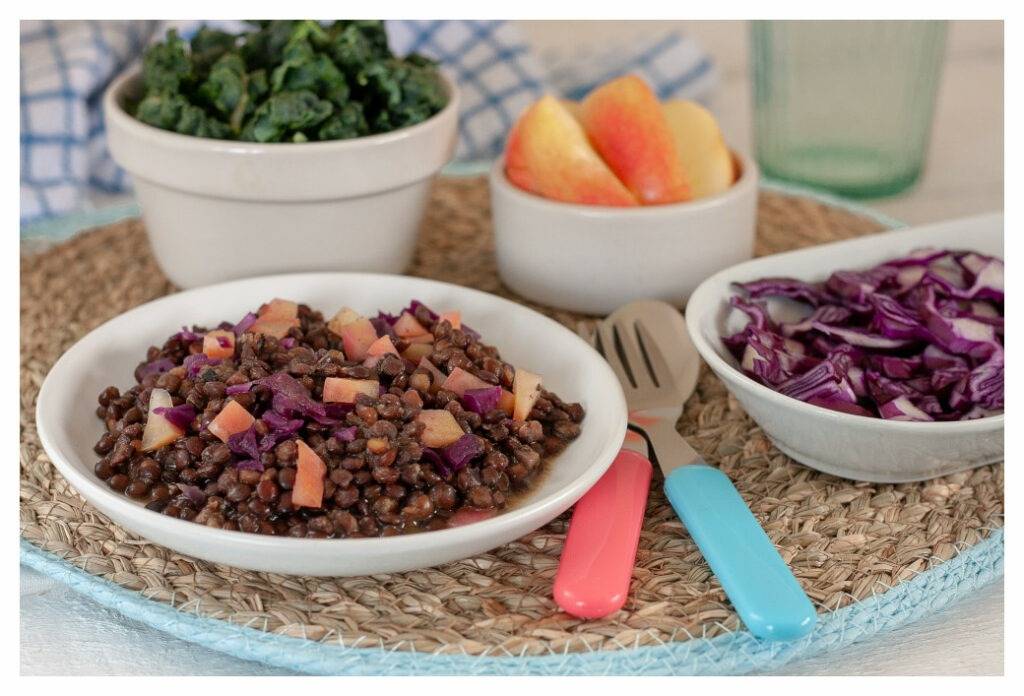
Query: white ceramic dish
594	259
68	427
855	447
252	209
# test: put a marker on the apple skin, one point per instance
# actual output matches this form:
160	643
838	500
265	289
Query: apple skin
700	147
526	391
232	419
454	318
548	154
440	428
407	327
343	390
310	470
626	125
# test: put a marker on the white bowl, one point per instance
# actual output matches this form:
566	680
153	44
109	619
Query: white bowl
68	426
855	447
220	209
594	259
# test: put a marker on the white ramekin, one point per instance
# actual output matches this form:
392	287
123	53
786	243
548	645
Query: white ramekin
593	259
219	209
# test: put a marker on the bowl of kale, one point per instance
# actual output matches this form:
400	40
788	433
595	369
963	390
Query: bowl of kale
296	145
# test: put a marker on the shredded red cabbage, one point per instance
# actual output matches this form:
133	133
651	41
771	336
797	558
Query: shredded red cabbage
915	338
194	494
188	335
482	400
346	434
180	417
154	367
463	451
288	342
246	443
242	388
279	429
434	457
245	324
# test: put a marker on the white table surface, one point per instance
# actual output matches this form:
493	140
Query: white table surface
64	633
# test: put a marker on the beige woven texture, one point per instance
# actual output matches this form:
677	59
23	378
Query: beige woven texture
844	540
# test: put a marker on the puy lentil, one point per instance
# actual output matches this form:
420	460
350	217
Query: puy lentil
379	482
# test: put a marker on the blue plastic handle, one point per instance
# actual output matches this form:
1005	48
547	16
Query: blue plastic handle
760	585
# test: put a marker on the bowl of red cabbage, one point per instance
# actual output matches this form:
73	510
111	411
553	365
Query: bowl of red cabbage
877	359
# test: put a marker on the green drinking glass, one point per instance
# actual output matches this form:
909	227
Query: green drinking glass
845	105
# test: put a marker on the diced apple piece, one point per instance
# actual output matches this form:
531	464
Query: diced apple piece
548	154
407	327
233	418
308	490
701	149
459	381
454	318
437	377
343	317
382	346
278	328
219	344
343	390
440	428
507	402
526	390
159	431
357	337
627	126
417	351
279	309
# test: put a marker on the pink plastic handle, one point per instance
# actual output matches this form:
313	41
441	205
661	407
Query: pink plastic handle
600	548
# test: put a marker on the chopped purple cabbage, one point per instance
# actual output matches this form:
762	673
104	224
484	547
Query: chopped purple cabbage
915	338
180	417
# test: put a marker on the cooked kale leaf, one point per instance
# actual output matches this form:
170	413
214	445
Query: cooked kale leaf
287	81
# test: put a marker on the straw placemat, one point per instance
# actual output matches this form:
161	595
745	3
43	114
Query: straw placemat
845	541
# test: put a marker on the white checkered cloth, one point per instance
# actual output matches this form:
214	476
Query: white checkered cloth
65	66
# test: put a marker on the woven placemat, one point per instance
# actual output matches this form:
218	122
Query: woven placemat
844	540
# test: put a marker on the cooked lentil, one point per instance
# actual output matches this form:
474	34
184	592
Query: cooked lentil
380	483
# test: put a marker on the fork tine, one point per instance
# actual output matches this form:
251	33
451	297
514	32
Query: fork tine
606	347
659	366
633	356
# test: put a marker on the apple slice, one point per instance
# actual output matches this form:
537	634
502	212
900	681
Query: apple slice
548	154
626	125
219	344
159	431
526	391
279	309
440	428
507	402
382	346
459	381
700	146
407	327
308	490
454	318
417	351
425	339
278	328
343	317
357	337
343	390
233	418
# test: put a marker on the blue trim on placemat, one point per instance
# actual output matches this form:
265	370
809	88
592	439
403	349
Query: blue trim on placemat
732	653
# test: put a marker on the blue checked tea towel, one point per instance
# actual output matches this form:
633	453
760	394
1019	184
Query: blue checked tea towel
65	66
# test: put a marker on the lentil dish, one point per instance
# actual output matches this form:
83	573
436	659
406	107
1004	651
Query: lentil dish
289	424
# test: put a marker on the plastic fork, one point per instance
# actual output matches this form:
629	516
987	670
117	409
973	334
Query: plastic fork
647	346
